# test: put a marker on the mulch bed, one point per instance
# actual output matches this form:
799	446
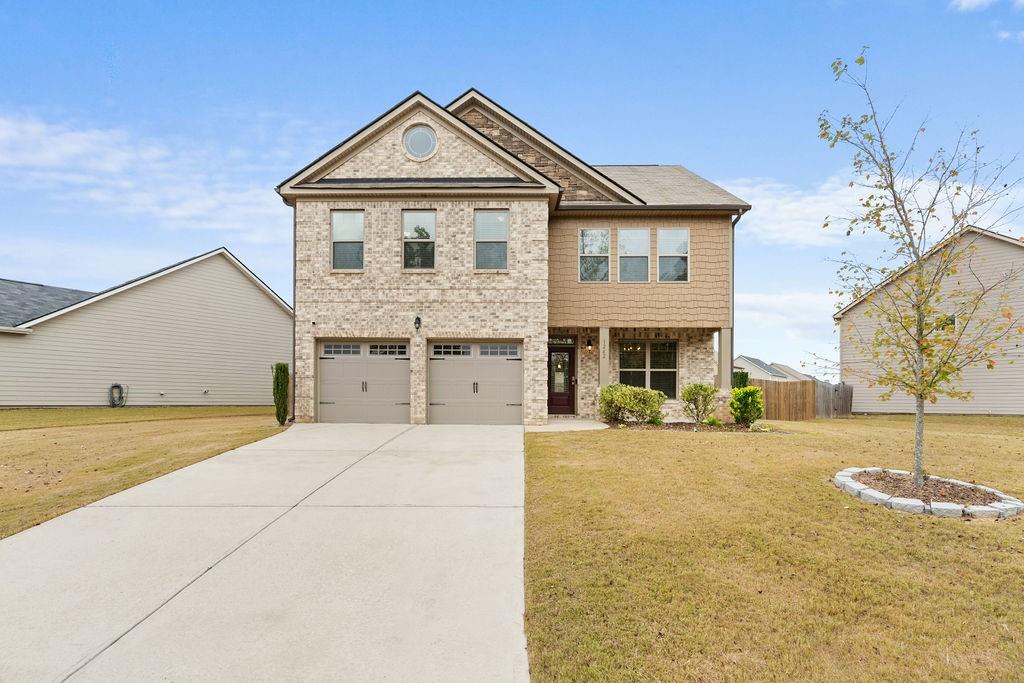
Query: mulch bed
679	426
902	485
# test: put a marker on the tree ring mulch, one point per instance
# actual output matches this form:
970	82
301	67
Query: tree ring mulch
939	496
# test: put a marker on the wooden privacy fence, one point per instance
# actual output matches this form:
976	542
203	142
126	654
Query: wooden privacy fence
805	399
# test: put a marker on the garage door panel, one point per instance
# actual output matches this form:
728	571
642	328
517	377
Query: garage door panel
364	387
477	389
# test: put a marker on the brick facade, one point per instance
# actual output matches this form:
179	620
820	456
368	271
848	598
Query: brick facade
453	301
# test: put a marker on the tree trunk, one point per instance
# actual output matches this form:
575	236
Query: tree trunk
919	442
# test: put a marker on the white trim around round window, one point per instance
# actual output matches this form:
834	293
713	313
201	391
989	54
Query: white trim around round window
419	141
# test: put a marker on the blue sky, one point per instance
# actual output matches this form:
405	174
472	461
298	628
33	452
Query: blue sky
133	135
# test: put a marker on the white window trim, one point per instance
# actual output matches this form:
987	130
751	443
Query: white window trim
334	241
580	255
618	245
647	369
401	232
687	255
507	241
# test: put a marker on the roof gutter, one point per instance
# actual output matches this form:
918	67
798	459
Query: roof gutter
15	330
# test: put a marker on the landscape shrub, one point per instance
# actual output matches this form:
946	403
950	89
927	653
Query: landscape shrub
623	403
740	379
713	422
281	392
747	405
698	401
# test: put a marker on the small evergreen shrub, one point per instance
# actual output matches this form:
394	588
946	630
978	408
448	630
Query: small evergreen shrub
740	379
281	392
698	401
623	403
713	422
747	405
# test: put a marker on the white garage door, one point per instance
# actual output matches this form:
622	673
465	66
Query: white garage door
475	383
364	381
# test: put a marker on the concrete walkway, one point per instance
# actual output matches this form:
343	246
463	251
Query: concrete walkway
327	552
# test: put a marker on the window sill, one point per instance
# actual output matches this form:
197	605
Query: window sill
417	271
346	271
491	271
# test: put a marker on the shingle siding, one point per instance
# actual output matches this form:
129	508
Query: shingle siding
206	327
704	301
996	391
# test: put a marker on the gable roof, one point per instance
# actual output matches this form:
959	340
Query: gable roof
972	229
21	301
99	296
673	186
764	367
308	180
475	98
786	370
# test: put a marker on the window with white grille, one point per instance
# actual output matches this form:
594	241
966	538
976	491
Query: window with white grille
341	350
451	350
389	350
508	350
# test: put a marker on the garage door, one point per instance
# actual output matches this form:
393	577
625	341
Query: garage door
475	383
364	381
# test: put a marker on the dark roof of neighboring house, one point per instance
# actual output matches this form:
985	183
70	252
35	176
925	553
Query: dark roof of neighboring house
671	186
21	301
765	367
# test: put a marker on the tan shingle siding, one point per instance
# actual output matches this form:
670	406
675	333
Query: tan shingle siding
704	301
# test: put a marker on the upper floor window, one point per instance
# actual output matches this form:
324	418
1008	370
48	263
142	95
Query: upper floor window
491	234
419	141
594	254
347	240
634	255
673	255
418	230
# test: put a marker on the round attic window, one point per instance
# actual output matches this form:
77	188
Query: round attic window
419	141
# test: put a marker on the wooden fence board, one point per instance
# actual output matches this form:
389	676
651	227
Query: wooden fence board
804	400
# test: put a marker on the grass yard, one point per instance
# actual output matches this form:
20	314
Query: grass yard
656	555
56	460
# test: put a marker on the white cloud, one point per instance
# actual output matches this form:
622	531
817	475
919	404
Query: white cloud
970	5
172	185
790	215
793	327
1014	36
1018	4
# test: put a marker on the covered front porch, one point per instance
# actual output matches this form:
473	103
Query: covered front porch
581	360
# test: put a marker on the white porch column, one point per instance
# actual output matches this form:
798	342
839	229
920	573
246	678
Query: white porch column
603	357
725	359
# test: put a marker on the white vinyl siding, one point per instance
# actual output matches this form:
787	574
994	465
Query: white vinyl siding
203	335
996	391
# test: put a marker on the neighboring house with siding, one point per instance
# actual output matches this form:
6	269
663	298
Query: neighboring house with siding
792	373
454	264
999	391
201	332
758	369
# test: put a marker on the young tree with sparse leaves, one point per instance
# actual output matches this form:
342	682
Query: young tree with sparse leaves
929	314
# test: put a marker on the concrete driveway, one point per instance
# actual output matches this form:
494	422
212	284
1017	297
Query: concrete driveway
341	552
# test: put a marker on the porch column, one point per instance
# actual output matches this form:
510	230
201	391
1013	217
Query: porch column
725	359
603	357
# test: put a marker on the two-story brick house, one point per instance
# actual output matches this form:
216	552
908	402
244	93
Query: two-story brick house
453	264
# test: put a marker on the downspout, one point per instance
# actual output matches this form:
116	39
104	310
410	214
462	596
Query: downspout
732	287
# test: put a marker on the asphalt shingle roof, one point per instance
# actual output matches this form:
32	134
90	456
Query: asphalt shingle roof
671	185
23	301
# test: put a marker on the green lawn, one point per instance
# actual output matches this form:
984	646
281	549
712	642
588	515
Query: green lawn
727	556
53	460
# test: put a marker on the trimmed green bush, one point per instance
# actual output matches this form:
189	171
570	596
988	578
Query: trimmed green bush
623	403
713	422
698	401
740	379
747	405
281	392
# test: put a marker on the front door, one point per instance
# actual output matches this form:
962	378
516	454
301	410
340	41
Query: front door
561	380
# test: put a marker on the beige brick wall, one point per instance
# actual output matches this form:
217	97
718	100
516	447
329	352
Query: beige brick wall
702	302
696	361
453	302
385	157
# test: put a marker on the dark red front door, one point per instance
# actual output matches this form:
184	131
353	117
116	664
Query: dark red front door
561	380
